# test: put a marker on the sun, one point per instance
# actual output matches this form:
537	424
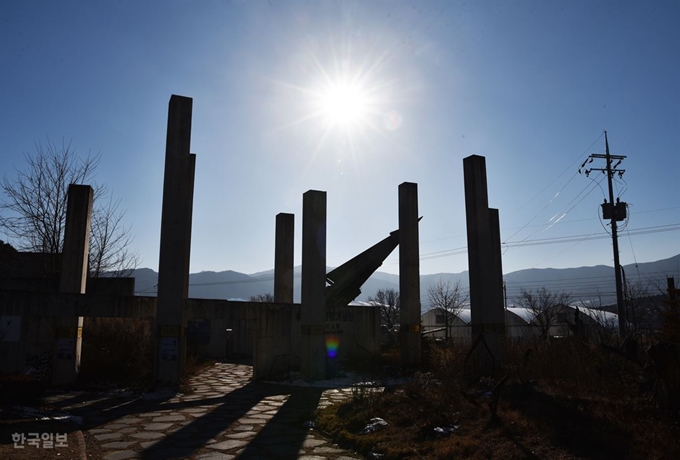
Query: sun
344	104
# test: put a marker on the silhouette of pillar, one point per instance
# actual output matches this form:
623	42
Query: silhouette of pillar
275	324
497	263
409	275
175	248
73	279
313	314
484	260
283	258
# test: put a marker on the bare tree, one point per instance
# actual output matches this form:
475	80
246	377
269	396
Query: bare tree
110	242
268	297
447	301
545	306
388	299
33	210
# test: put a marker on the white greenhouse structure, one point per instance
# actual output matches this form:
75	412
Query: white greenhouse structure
522	323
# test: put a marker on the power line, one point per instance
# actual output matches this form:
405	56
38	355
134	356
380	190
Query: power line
463	249
554	240
568	168
562	252
561	215
544	207
594	236
542	225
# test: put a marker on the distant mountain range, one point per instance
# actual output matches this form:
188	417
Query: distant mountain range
586	284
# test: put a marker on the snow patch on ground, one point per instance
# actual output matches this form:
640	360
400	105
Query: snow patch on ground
347	381
40	414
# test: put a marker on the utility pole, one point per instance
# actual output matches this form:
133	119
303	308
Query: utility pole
615	213
505	294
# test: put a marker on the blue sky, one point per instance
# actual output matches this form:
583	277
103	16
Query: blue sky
530	85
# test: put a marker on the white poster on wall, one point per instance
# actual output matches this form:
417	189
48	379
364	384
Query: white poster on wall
169	349
65	348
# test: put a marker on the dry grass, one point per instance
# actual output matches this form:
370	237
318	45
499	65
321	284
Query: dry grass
566	398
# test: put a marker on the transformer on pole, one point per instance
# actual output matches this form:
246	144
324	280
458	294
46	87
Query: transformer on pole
615	212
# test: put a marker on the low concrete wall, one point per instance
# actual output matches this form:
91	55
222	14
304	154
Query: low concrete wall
218	316
45	304
12	349
356	330
274	353
111	286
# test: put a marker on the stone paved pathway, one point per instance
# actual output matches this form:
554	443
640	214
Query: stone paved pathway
226	417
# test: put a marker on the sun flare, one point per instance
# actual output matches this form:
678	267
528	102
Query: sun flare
344	104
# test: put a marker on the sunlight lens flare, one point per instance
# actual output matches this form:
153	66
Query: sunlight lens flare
332	344
344	104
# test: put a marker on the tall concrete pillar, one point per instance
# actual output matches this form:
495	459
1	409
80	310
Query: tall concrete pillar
175	248
409	275
73	279
283	258
484	260
313	314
